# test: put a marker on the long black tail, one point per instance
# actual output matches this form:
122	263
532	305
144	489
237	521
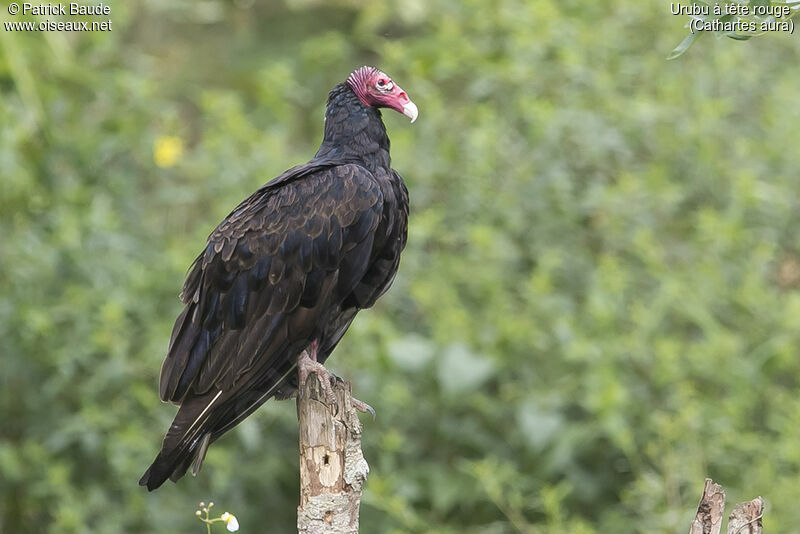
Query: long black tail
187	439
174	466
162	468
200	421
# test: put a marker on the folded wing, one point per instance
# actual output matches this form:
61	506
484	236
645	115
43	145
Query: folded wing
273	273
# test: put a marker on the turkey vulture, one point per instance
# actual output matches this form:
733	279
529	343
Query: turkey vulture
283	276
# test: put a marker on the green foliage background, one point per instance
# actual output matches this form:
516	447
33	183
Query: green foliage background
598	306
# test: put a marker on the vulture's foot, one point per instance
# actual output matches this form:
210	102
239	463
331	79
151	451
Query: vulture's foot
307	364
359	405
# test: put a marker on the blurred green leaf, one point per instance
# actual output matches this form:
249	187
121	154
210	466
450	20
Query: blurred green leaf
683	46
461	370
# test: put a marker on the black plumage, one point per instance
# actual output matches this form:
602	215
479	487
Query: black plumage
290	266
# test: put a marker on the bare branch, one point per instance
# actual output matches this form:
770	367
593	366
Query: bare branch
709	512
746	517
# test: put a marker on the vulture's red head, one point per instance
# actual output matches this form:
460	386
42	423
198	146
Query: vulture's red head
375	89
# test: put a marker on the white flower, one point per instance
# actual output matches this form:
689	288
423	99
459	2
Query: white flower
230	522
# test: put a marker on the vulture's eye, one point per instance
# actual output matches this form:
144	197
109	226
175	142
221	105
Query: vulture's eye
384	84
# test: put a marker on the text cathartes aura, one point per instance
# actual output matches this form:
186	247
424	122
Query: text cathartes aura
283	276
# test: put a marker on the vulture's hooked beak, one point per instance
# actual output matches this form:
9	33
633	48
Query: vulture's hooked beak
410	110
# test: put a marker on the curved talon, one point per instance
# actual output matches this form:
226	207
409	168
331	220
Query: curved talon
336	378
363	407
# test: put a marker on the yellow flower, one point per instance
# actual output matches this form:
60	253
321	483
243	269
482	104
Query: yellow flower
167	150
230	522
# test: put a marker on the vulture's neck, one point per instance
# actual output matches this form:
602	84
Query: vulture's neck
354	133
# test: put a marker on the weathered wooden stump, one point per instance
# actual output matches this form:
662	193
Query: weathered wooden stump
332	467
